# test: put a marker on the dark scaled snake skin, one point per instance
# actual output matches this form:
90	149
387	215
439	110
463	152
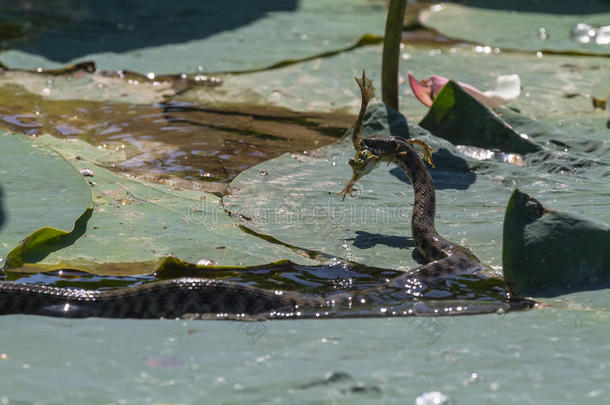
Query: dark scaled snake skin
217	299
445	258
162	299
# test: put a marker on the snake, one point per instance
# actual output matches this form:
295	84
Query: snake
445	258
219	299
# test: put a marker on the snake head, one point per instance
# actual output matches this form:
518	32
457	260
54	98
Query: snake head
388	148
362	163
377	149
383	148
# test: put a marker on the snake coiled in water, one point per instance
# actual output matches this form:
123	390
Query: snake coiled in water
215	299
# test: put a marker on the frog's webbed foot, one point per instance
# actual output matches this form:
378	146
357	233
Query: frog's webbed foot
366	88
349	189
368	93
427	150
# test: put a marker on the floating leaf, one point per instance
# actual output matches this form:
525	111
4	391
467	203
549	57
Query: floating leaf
38	188
542	30
136	221
38	245
256	36
297	203
458	117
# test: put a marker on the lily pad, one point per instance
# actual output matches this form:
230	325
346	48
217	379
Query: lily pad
43	241
38	188
555	88
581	136
297	203
198	36
532	31
89	86
134	221
547	252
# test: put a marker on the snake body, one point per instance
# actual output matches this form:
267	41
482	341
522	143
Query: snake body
180	297
445	258
162	299
217	298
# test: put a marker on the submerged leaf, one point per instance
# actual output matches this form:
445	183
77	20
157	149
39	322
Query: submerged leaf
173	143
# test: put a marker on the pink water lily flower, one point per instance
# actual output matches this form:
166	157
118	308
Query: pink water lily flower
508	88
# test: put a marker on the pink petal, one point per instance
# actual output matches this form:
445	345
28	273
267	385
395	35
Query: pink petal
422	90
438	82
427	89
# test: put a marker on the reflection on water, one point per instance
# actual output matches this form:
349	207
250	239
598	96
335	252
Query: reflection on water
487	154
165	140
585	33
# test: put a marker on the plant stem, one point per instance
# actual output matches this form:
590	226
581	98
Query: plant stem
391	51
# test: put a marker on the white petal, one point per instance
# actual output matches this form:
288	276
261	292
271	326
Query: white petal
508	88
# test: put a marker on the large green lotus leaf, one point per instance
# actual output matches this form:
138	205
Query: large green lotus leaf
581	135
38	188
549	252
293	198
89	86
301	29
532	31
555	88
135	221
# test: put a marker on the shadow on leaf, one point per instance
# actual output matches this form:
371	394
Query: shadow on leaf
367	240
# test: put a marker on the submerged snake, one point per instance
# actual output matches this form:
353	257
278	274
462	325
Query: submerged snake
217	299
